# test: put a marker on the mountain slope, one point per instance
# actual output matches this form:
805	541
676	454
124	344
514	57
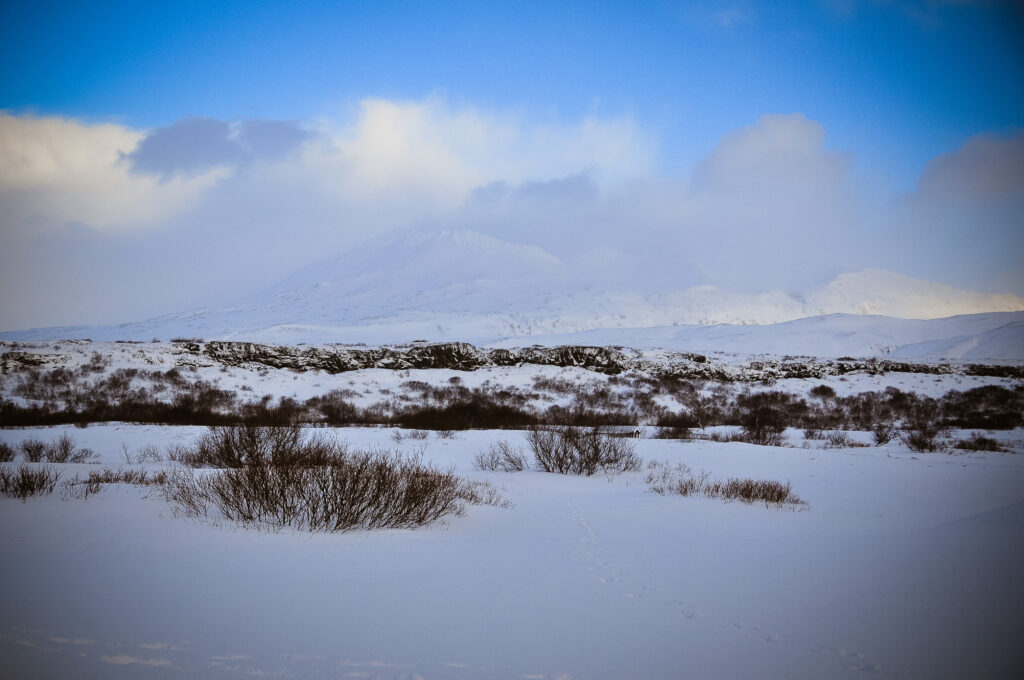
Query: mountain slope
461	285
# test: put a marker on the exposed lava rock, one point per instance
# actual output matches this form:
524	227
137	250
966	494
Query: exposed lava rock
458	356
461	356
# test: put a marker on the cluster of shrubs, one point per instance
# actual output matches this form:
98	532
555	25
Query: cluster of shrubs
571	450
60	450
275	477
63	396
66	396
566	449
24	482
920	422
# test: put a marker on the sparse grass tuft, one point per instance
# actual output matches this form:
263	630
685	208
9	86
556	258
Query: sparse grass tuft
91	485
6	452
663	479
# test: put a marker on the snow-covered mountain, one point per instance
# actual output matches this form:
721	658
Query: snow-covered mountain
462	285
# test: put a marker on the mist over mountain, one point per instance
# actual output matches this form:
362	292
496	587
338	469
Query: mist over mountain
463	285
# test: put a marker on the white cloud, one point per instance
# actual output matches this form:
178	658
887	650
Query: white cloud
429	150
57	170
234	206
424	154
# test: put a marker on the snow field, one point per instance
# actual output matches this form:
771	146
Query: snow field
902	565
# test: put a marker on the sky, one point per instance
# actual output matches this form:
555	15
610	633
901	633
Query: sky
159	157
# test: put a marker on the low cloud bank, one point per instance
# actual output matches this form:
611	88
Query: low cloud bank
102	223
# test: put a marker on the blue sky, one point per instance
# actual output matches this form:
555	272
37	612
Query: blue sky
862	114
897	82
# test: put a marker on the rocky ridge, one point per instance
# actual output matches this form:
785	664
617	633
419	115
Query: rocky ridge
461	356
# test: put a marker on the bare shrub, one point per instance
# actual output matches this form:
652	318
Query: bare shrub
822	392
484	493
238	446
663	479
446	434
6	452
726	437
837	439
764	416
571	450
147	454
923	431
91	485
882	433
34	450
363	490
762	436
79	489
501	457
979	442
666	432
63	450
751	490
26	482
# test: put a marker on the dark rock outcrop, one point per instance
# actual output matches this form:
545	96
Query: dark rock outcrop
461	356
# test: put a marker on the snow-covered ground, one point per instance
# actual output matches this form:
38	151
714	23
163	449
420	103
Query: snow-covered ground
902	565
370	386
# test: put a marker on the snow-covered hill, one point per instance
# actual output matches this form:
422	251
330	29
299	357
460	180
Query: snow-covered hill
462	285
993	337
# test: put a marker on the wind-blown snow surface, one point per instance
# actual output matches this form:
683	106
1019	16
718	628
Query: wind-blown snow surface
904	566
463	285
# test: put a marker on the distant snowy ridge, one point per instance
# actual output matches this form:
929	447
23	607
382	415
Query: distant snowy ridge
462	285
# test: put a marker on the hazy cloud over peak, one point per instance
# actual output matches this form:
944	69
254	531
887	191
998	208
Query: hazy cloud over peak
220	208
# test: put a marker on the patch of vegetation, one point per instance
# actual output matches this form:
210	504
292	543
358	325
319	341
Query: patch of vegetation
25	482
501	457
571	450
280	478
83	488
923	431
61	450
663	479
94	393
979	442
